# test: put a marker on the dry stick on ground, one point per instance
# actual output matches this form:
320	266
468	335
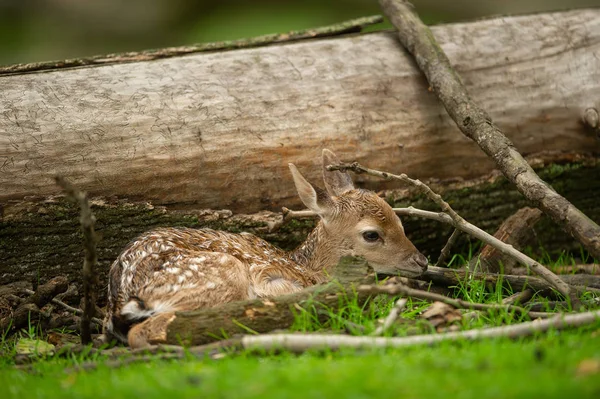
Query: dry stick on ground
461	224
304	342
87	221
446	250
477	125
396	289
592	268
70	308
520	297
27	309
444	277
391	318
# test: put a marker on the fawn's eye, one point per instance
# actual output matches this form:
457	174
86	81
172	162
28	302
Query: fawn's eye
370	236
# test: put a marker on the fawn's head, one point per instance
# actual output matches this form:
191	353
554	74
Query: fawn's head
359	222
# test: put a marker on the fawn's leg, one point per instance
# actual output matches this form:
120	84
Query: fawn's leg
200	280
152	331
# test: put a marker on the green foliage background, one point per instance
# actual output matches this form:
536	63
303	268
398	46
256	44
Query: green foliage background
38	30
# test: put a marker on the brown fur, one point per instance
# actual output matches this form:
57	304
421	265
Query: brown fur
174	269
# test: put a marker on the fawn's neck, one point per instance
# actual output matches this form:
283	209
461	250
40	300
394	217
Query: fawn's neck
318	253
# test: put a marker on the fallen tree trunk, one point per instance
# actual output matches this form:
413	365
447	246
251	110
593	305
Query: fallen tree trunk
217	129
40	238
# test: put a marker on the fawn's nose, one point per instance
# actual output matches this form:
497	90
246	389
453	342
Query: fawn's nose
420	260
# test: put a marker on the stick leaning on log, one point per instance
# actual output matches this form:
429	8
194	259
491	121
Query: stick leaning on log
477	125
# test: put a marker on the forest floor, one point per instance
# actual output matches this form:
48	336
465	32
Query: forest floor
552	364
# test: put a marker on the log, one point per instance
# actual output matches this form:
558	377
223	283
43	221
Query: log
264	315
216	130
40	237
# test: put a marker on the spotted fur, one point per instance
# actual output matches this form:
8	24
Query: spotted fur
174	269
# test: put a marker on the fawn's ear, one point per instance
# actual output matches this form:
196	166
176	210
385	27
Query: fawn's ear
316	200
336	182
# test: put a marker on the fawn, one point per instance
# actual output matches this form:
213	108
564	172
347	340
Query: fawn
173	269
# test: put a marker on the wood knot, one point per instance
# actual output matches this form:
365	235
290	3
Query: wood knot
591	119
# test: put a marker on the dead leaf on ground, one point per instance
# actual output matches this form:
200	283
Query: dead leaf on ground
442	316
588	367
60	339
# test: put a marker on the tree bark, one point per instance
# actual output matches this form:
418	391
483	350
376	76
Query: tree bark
40	238
217	129
476	124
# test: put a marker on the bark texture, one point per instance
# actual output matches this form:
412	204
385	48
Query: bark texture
217	129
40	238
476	124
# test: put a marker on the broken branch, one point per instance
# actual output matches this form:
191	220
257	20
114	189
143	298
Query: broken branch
70	308
304	342
517	231
87	221
446	250
391	318
398	288
477	125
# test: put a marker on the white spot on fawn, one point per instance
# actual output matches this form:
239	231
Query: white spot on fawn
133	311
210	285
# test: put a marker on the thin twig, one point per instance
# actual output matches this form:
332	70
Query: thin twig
475	123
304	342
396	289
391	318
354	25
70	308
441	217
520	297
87	221
446	250
461	224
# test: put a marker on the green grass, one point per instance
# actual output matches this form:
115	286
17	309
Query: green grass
542	366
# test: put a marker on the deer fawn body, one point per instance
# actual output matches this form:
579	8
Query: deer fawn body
174	269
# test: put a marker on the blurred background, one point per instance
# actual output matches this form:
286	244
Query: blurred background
41	30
